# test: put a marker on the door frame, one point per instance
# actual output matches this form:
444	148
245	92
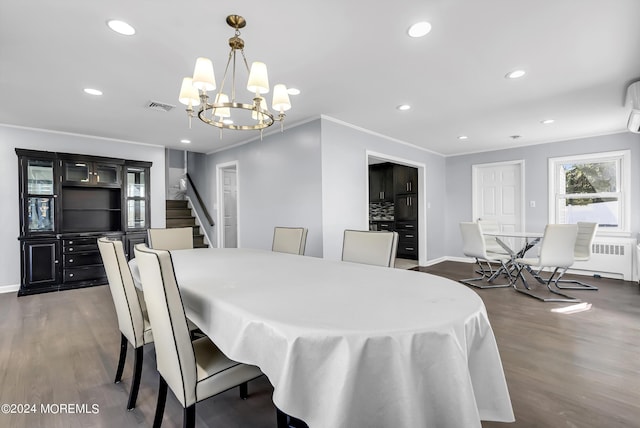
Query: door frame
474	181
422	197
220	168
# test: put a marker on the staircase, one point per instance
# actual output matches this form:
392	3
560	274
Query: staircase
179	215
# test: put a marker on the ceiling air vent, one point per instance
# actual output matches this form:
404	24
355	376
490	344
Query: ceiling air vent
156	105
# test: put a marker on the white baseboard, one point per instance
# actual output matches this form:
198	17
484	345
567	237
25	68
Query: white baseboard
9	288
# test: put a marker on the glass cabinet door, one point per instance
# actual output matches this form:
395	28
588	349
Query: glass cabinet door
107	173
136	188
39	177
79	172
40	214
136	181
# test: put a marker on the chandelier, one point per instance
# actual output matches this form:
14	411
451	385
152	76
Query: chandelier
227	112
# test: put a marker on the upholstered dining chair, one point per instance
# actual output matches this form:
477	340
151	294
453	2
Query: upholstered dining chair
376	248
174	238
581	253
474	245
194	370
130	309
556	252
290	240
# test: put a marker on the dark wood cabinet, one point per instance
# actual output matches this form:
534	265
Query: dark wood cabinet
40	264
381	182
67	202
400	184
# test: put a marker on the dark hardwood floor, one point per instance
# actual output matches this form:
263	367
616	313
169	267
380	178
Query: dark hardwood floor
580	370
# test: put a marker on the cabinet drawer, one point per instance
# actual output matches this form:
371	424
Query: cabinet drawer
408	235
407	225
79	248
84	274
82	259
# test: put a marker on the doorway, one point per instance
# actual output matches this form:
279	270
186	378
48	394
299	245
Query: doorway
409	217
227	175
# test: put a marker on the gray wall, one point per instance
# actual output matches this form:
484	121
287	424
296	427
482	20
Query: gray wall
279	184
345	184
459	191
12	138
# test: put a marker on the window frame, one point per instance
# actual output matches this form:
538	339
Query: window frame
623	159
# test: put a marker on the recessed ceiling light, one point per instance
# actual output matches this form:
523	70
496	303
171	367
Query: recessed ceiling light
547	121
403	107
419	29
121	27
293	91
185	141
515	74
463	137
92	91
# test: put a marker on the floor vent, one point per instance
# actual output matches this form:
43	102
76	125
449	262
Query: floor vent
156	105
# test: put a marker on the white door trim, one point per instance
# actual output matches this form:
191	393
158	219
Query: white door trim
220	200
422	197
474	180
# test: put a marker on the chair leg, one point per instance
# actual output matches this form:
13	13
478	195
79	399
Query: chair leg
484	275
137	373
189	416
123	356
562	298
162	398
244	390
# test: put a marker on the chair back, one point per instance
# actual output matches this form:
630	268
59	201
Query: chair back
175	238
123	291
175	356
473	244
557	245
584	240
290	240
490	242
370	247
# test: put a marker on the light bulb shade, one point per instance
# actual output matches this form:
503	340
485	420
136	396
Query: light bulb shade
222	112
188	94
258	78
263	107
203	77
280	98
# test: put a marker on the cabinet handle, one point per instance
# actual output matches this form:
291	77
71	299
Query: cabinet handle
410	186
70	242
70	275
408	236
408	249
409	226
381	195
55	261
70	249
70	261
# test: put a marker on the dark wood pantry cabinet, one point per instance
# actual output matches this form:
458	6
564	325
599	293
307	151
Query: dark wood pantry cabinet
67	201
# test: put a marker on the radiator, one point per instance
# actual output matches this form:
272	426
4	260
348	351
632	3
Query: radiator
610	257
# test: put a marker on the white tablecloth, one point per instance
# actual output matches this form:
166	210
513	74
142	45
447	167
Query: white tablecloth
348	345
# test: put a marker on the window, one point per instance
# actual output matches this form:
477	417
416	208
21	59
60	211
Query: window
592	187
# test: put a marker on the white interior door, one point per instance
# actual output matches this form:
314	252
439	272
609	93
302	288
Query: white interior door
498	195
230	208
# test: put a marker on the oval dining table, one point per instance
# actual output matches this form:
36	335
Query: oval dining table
349	345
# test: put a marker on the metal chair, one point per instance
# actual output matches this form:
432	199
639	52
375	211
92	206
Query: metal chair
582	253
556	251
473	245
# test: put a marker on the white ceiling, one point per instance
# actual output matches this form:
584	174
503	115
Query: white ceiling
352	60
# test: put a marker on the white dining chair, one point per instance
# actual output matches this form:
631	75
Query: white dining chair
491	243
556	252
473	245
376	248
581	253
290	240
173	238
194	370
130	309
